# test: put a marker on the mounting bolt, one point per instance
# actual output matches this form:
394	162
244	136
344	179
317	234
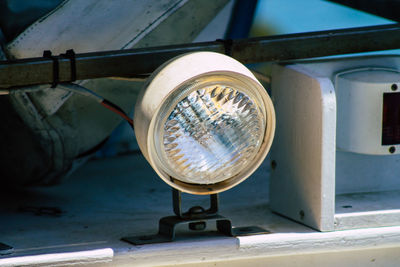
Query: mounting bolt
301	213
392	149
273	164
394	87
197	226
196	210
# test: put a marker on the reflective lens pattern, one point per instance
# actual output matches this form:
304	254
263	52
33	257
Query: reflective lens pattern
212	134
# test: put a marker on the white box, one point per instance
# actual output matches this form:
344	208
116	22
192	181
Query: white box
314	182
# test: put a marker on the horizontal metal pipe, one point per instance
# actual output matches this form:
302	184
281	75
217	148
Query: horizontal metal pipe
128	63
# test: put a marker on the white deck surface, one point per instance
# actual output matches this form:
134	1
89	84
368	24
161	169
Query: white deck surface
111	198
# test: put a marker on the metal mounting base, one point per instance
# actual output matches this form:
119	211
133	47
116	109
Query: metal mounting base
5	249
196	219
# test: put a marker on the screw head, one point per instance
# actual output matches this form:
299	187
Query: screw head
273	164
392	149
197	226
394	87
302	214
196	210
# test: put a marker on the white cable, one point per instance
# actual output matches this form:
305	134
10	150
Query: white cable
71	87
80	90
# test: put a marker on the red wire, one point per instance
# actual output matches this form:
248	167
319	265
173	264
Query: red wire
117	111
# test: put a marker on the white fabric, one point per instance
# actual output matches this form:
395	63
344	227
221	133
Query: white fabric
68	125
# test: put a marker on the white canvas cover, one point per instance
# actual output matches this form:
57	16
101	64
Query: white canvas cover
57	129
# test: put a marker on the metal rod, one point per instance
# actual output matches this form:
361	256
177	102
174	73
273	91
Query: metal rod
177	202
127	63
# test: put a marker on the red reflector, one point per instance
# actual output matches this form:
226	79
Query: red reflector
391	119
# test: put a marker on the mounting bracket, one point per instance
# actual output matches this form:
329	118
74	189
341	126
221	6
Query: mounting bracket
196	218
5	249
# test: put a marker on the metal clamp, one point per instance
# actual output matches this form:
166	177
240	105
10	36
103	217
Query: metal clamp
70	54
228	43
56	67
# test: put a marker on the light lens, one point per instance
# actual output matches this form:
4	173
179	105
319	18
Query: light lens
211	130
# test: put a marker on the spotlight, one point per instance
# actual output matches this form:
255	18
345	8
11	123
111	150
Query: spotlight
204	122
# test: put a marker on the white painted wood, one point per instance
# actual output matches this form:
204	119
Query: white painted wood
115	197
358	173
360	258
294	243
365	202
265	247
356	220
360	210
303	183
353	174
62	259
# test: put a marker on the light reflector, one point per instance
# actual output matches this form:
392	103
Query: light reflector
211	134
